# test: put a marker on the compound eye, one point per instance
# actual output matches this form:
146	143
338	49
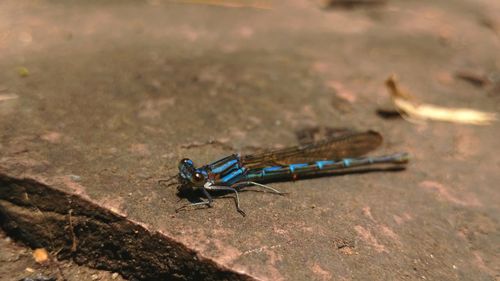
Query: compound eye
198	177
185	164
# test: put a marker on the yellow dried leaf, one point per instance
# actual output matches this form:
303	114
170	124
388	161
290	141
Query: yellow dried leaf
40	255
409	107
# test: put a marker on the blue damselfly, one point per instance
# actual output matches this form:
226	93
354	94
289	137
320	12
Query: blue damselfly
339	154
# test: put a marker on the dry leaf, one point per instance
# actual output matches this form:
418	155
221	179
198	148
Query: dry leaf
412	109
40	255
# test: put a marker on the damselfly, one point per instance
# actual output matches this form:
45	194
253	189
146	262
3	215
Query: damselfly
339	154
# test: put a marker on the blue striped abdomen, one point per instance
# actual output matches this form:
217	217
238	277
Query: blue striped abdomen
295	171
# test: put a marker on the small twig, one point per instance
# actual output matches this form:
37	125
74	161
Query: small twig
74	240
350	4
60	273
477	79
259	5
210	142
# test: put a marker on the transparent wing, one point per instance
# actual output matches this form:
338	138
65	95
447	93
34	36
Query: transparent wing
336	148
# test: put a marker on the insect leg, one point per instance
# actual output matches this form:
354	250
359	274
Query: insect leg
248	183
203	202
237	198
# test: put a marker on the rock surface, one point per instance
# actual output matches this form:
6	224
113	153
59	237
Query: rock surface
100	100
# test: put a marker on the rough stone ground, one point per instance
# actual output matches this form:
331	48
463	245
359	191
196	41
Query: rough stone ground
99	100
